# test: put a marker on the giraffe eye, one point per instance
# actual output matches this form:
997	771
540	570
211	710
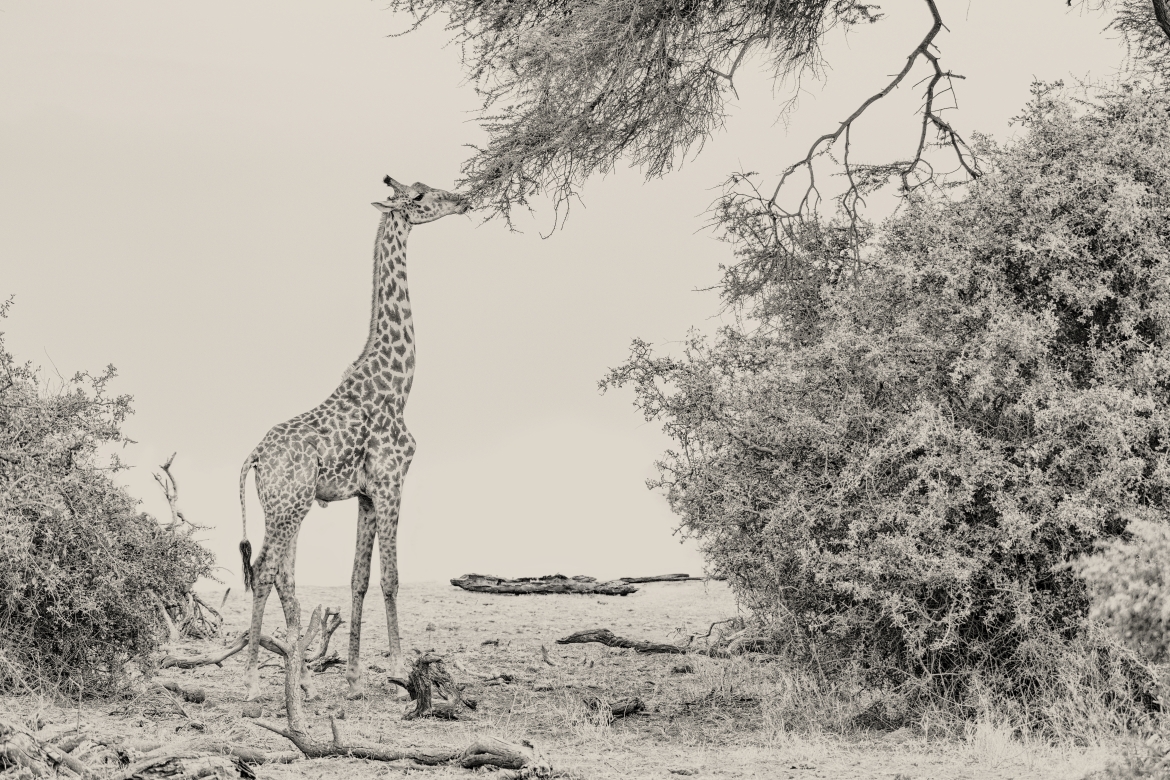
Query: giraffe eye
418	197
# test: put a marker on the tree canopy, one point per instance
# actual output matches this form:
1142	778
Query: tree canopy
572	88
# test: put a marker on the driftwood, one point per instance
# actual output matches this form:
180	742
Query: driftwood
22	751
514	760
32	755
607	637
555	583
740	643
317	662
662	578
182	764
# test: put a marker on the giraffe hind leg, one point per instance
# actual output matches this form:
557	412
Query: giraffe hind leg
263	578
286	589
286	476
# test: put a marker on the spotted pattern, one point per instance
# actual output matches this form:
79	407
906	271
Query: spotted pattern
354	444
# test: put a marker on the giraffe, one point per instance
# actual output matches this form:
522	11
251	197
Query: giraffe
355	443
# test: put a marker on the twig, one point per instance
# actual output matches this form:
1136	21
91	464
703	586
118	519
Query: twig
170	489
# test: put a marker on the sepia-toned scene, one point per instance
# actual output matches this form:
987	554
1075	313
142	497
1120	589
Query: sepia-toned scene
585	389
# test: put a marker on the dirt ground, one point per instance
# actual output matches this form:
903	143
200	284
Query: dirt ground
721	720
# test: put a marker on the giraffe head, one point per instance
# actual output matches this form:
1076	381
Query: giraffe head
420	203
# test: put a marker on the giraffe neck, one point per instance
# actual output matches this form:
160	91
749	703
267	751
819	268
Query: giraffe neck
387	361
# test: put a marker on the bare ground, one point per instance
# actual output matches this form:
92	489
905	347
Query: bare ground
728	718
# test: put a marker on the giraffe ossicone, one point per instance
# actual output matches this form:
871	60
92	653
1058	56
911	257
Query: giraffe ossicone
354	444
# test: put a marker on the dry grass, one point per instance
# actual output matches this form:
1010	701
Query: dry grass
736	718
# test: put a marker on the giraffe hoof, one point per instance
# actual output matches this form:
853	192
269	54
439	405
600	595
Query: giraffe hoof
354	694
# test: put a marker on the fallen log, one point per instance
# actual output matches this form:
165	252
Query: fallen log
20	749
662	578
182	764
554	583
608	638
740	644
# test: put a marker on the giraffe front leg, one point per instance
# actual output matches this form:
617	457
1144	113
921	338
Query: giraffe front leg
359	584
388	554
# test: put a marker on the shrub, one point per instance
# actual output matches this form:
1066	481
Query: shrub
1129	580
899	466
82	571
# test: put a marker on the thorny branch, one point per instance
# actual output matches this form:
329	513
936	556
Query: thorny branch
769	235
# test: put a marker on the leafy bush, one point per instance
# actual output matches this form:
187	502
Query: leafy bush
897	463
1129	579
82	572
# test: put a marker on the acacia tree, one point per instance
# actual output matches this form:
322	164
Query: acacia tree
572	88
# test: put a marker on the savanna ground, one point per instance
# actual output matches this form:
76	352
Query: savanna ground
732	718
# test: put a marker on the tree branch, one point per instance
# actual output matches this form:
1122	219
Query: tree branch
1162	15
769	235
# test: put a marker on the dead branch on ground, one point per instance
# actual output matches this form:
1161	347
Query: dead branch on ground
553	583
608	638
318	662
37	756
661	578
740	643
514	760
429	673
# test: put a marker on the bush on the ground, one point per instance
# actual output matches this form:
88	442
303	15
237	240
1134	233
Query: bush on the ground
82	571
897	466
1129	579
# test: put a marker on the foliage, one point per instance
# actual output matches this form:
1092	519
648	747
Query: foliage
82	571
1145	25
570	87
899	466
1130	581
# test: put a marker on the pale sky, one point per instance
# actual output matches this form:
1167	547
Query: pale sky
185	190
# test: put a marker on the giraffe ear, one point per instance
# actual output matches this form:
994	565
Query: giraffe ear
385	208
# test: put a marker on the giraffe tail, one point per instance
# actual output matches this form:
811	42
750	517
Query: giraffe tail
245	545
